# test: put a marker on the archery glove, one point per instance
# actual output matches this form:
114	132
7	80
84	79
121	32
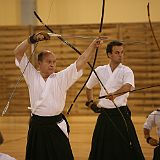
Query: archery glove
41	36
152	141
93	106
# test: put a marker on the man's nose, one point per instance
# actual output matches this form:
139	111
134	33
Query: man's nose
51	64
120	54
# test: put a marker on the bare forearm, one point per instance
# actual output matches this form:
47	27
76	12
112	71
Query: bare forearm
85	57
21	49
146	132
35	38
88	53
150	140
125	88
89	94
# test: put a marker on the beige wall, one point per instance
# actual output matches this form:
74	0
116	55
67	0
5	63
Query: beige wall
9	12
82	12
89	11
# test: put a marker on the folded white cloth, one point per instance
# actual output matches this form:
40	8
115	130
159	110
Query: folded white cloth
6	157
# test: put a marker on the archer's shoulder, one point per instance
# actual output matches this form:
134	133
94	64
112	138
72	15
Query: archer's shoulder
126	68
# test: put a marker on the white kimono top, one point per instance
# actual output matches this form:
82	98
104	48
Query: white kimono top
47	98
112	82
153	120
6	157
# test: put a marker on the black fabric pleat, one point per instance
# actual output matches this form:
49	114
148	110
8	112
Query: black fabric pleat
112	140
46	141
156	155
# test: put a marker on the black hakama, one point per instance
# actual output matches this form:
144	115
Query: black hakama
46	141
112	140
157	153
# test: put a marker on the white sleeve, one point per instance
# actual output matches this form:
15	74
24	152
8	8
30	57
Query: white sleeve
6	157
129	77
69	76
26	68
93	80
150	121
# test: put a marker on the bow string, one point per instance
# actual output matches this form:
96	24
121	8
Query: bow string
12	93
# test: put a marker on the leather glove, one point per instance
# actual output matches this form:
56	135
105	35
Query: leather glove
41	36
93	106
152	141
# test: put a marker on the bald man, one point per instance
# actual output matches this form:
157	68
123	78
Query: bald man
48	128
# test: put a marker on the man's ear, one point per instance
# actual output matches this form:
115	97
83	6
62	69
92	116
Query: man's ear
109	55
39	63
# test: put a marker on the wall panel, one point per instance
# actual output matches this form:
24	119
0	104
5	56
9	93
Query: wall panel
141	54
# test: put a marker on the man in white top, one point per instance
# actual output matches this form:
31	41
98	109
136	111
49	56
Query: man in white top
48	129
4	156
153	120
114	137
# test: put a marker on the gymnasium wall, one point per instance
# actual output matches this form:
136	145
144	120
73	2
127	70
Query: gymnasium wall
81	12
124	20
141	54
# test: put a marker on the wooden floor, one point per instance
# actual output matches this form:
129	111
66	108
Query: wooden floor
14	130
